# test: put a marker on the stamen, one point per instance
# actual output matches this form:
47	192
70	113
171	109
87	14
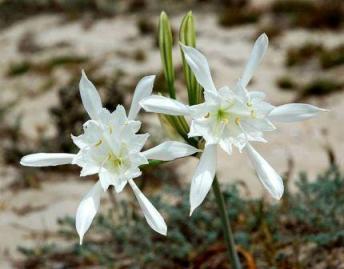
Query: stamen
253	114
99	143
237	121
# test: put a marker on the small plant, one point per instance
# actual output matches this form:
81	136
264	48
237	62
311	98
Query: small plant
20	68
237	16
303	54
326	57
309	14
23	67
321	87
286	83
313	216
332	57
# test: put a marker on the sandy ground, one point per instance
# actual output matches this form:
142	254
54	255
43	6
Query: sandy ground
227	51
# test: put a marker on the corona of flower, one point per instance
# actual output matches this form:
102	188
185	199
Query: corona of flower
111	148
230	117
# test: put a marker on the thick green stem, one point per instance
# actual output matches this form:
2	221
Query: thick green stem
227	230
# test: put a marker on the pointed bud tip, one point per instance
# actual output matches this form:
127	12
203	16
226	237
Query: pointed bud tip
163	15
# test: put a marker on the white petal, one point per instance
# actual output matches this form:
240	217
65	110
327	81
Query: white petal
143	89
107	179
169	151
267	175
256	95
294	112
164	105
226	145
87	210
153	217
203	177
258	51
47	159
199	66
90	97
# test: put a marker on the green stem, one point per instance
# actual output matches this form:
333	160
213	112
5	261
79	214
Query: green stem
229	239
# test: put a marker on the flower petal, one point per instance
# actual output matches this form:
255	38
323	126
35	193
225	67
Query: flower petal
107	179
267	175
143	89
169	151
199	66
294	112
153	217
258	51
47	159
89	96
87	210
203	177
164	105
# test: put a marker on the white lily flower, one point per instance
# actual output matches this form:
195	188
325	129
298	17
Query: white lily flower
230	117
111	148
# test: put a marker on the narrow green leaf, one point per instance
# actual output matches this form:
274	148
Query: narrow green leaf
165	45
187	36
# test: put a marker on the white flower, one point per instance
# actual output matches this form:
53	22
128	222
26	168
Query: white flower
111	148
230	117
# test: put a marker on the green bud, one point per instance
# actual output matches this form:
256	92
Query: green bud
187	36
165	45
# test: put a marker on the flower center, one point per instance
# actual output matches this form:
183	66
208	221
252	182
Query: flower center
117	163
222	115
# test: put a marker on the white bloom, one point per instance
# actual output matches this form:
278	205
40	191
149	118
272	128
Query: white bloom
230	116
111	148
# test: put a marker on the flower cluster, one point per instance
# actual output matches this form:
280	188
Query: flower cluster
229	117
111	148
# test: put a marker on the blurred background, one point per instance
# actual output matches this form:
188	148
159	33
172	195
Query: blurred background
44	44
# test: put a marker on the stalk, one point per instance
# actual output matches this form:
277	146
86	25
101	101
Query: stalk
227	230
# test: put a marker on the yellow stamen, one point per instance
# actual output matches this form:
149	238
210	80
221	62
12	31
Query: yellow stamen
237	121
99	143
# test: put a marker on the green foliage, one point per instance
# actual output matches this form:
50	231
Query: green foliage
286	83
313	14
17	69
311	216
303	54
327	58
333	57
14	10
320	87
46	66
235	16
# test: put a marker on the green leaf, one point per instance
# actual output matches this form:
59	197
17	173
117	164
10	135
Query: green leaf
187	36
165	45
